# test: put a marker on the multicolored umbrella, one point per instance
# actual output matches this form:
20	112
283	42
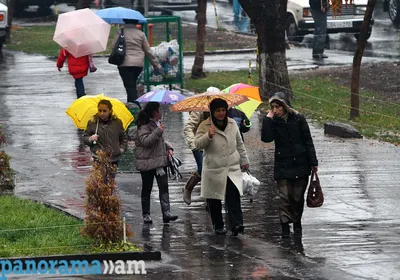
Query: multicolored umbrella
162	96
201	102
84	108
251	92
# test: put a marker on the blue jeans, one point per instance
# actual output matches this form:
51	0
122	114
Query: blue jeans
80	87
198	156
320	30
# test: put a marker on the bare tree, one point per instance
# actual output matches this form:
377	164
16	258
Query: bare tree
355	76
83	4
269	18
197	69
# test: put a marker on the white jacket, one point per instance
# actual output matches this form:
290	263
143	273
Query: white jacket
223	156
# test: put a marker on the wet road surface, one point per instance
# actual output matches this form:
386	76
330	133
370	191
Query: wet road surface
353	236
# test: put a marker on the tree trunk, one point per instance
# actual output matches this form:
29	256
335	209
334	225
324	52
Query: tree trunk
269	19
83	4
197	69
355	76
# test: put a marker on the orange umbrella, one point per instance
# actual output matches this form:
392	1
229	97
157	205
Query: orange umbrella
201	102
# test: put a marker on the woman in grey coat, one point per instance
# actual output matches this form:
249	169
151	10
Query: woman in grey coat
152	159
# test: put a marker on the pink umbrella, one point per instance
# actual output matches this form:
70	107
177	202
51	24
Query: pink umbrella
82	32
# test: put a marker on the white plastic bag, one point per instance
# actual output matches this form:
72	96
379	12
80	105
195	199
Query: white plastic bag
250	183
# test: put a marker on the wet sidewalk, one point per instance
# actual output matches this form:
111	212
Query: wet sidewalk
353	236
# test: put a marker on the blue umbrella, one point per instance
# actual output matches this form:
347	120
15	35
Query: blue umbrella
117	14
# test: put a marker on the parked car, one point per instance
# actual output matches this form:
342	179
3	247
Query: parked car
4	29
165	6
21	5
392	7
299	21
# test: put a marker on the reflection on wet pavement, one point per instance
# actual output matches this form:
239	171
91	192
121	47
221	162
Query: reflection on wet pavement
354	235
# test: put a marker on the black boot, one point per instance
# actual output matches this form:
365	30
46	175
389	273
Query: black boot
237	229
147	219
285	230
220	231
164	200
167	217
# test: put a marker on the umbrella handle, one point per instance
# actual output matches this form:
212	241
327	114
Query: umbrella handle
97	127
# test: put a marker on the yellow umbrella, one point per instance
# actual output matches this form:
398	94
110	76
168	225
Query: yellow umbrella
201	102
83	109
251	92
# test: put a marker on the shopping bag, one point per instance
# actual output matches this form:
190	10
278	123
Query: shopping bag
250	183
315	197
117	55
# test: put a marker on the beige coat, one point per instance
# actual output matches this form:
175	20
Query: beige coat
195	118
136	47
223	156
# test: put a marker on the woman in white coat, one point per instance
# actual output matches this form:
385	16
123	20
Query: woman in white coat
224	155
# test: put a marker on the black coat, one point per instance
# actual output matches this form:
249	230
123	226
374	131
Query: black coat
294	147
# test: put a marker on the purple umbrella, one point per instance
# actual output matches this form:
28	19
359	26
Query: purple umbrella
162	96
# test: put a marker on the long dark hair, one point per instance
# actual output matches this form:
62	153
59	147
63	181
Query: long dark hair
147	113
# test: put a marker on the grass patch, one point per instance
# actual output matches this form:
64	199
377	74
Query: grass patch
323	100
28	228
39	40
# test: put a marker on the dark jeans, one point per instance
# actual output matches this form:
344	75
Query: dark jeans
291	194
320	29
147	186
198	156
232	201
80	87
129	77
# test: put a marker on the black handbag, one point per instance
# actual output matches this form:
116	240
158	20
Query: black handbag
117	55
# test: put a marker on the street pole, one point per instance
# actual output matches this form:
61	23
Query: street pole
146	8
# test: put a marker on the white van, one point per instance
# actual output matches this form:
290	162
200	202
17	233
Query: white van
299	21
3	22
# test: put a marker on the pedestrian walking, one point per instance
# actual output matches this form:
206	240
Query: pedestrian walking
105	132
77	67
137	47
294	159
224	155
152	153
319	8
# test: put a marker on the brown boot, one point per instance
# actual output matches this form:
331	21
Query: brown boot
190	184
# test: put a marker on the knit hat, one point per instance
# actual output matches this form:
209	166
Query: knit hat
218	103
281	98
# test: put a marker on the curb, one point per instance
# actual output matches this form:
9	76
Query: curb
124	256
216	52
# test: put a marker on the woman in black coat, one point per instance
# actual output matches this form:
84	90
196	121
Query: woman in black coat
294	158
